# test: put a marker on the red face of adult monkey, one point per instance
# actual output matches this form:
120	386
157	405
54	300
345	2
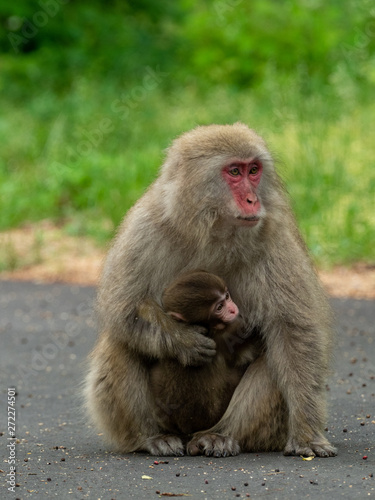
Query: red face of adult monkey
218	205
243	178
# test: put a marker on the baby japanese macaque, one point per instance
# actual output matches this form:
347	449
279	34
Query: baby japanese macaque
193	398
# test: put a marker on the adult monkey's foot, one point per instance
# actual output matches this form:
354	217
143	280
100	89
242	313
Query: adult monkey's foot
215	445
319	447
164	445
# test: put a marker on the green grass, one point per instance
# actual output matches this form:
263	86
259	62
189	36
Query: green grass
77	159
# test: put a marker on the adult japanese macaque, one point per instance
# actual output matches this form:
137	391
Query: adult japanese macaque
219	205
190	398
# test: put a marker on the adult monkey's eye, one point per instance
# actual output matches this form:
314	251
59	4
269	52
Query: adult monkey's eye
234	171
254	170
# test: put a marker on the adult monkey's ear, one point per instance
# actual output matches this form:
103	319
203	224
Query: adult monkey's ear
177	316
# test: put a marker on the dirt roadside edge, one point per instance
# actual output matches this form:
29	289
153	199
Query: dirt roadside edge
44	253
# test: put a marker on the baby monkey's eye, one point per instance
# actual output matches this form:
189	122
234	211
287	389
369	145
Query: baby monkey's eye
219	307
227	296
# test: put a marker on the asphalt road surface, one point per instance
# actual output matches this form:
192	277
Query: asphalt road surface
46	332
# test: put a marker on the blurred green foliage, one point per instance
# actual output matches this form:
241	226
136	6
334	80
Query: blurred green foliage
232	42
91	92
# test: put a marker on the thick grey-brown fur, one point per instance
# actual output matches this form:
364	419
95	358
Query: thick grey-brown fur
187	220
191	398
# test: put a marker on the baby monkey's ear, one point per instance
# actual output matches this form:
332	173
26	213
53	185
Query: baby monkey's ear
176	316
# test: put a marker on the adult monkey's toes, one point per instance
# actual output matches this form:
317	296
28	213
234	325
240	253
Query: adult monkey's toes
215	445
319	447
165	445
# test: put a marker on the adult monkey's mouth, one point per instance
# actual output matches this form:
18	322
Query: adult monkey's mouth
251	220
